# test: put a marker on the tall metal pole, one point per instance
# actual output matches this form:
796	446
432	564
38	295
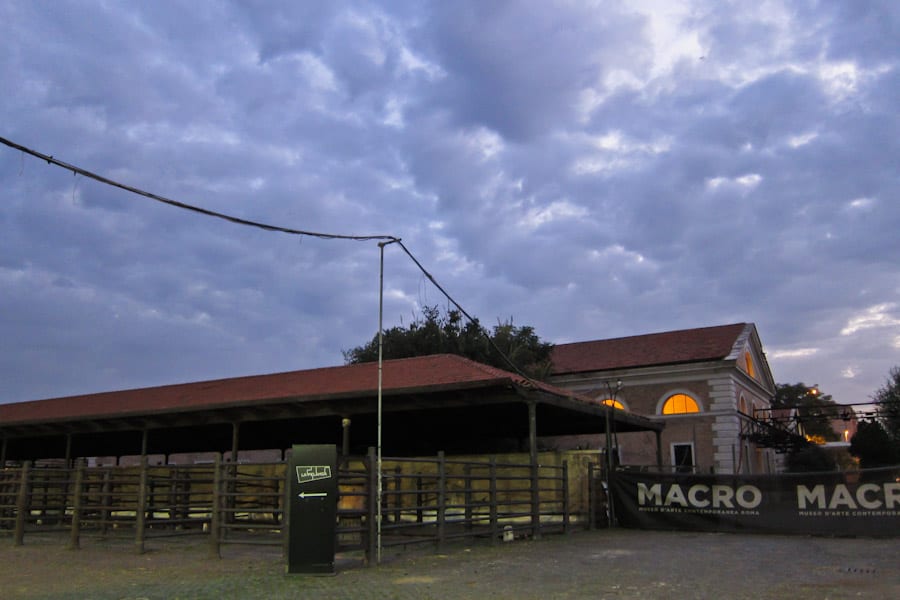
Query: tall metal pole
378	486
610	464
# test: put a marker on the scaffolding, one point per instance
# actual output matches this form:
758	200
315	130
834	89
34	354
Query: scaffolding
768	428
782	428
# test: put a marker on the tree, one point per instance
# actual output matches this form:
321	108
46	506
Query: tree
814	409
873	446
809	459
888	400
437	333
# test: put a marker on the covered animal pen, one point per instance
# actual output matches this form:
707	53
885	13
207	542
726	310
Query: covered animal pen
462	437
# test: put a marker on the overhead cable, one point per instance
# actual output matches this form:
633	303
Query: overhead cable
211	213
197	209
472	320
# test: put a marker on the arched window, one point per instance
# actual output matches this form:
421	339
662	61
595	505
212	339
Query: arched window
614	403
678	404
748	365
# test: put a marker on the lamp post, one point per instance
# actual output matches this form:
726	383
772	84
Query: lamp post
379	487
610	406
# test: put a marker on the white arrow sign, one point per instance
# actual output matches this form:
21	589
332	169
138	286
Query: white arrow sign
304	495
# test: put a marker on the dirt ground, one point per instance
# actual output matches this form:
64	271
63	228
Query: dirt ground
587	564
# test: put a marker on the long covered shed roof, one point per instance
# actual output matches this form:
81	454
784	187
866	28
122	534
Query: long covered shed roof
439	402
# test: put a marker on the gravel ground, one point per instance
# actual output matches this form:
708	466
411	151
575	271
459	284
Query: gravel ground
588	564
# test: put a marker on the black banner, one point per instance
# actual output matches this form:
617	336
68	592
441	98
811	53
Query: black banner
865	503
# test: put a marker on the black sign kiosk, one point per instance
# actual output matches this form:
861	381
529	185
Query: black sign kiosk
312	509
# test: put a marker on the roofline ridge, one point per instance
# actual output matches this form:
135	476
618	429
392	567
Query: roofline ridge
741	341
225	380
644	335
490	369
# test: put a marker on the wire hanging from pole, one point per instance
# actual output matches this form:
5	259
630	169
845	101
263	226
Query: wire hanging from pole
204	211
386	239
484	332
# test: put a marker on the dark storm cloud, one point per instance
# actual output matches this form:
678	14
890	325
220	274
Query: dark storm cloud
518	69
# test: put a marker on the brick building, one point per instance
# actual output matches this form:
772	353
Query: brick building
704	384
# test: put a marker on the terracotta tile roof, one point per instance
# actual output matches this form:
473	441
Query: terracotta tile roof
670	347
426	373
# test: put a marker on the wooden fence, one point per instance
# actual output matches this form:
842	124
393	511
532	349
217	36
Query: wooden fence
424	500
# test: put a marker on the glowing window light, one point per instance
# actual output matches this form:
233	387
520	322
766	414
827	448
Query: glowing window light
678	404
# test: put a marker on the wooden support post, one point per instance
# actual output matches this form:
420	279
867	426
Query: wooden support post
172	501
532	432
345	437
68	457
3	453
23	503
105	501
145	435
441	500
467	482
77	493
215	515
535	479
141	509
66	482
420	500
231	472
495	526
235	441
592	498
565	497
43	484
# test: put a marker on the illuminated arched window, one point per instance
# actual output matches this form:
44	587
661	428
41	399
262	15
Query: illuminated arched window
748	365
678	404
613	403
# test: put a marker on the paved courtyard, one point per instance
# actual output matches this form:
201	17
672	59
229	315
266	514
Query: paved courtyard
586	564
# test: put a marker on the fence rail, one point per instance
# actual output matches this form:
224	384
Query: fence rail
424	500
438	499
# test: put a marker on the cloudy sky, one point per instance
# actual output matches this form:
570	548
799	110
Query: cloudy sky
594	169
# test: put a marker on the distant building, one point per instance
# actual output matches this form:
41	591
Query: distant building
704	384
